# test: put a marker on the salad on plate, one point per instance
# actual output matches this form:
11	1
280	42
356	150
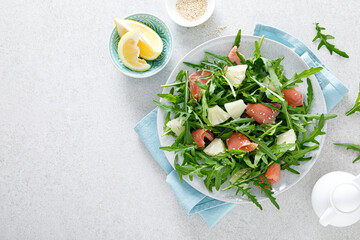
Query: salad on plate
238	122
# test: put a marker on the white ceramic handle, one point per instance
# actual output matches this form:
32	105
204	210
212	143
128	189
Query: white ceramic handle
327	216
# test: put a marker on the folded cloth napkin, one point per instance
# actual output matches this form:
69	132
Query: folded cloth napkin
212	210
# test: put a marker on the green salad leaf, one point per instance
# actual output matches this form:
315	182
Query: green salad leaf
352	147
324	42
237	39
356	107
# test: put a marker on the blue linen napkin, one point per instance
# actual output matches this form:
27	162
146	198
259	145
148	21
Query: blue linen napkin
212	210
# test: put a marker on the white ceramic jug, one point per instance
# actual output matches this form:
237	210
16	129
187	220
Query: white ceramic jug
336	199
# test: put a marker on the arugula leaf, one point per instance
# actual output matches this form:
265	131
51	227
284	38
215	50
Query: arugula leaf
265	87
239	128
236	151
297	154
352	147
240	120
187	137
248	162
317	132
178	80
178	148
310	96
164	106
282	148
312	116
292	170
202	86
192	65
258	156
270	67
293	157
167	119
356	107
237	39
271	130
297	77
218	179
284	110
212	65
219	58
187	170
242	59
246	192
169	108
265	188
171	98
324	42
209	177
216	97
349	146
257	48
204	109
263	147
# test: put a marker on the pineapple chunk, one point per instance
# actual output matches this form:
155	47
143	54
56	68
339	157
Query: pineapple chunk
236	108
216	115
176	125
215	147
236	74
287	137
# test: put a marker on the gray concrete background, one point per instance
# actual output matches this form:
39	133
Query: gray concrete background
71	166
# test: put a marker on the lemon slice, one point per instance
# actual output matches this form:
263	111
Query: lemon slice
150	43
129	51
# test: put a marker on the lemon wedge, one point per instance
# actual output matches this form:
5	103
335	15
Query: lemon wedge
128	51
150	43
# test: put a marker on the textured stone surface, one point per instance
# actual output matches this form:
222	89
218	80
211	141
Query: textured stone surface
71	166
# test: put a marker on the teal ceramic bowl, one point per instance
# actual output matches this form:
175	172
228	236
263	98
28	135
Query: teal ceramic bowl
159	63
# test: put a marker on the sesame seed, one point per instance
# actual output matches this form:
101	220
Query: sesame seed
191	9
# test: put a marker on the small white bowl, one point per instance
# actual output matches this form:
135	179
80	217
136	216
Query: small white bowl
176	17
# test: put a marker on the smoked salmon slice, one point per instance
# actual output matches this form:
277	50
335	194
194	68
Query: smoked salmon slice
262	113
199	134
272	174
293	97
233	56
240	141
194	88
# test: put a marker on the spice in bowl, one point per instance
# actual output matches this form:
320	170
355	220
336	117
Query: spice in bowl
191	10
